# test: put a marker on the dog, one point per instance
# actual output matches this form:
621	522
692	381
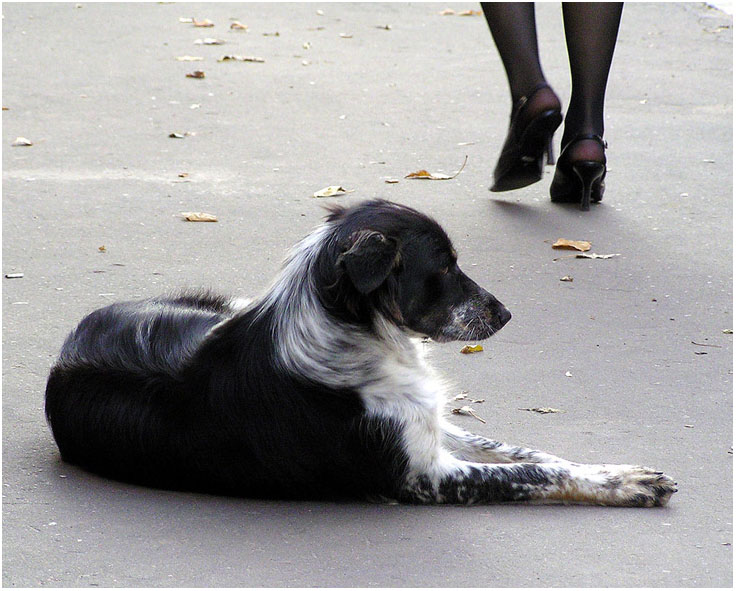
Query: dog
316	390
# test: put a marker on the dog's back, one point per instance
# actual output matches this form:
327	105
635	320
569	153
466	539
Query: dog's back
116	391
145	392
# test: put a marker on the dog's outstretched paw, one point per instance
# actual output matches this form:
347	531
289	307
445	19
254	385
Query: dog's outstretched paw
638	486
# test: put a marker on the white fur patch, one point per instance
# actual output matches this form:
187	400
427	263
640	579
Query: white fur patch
240	304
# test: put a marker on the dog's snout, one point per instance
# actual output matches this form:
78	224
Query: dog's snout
503	315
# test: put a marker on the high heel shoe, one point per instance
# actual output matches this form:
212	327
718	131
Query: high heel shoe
521	162
581	181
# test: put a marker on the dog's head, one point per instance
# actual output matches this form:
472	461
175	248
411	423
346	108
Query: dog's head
392	259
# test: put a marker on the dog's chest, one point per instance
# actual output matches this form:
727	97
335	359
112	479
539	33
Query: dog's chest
409	395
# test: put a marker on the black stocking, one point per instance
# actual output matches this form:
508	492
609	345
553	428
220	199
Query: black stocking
514	31
590	31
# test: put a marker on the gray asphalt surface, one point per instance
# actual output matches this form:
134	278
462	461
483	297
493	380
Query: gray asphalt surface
98	90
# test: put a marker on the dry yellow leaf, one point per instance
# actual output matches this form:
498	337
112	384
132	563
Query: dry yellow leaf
470	13
580	245
209	41
332	191
471	349
423	174
241	58
196	74
198	216
203	23
239	26
447	12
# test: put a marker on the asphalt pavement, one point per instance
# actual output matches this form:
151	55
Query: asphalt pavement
634	350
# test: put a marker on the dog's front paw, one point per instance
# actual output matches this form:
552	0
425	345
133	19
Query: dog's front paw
638	486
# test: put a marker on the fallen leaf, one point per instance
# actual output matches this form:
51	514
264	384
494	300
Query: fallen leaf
276	34
209	41
470	13
14	275
178	135
241	58
423	174
568	374
102	248
391	181
185	19
203	23
466	410
727	331
6	108
198	216
21	141
580	245
467	349
566	278
183	175
332	191
237	25
306	45
320	13
689	426
196	74
700	353
189	58
461	396
447	12
384	27
545	410
346	35
592	255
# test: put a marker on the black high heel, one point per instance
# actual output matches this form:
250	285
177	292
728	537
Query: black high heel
521	162
582	181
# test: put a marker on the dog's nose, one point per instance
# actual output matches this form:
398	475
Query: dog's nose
503	316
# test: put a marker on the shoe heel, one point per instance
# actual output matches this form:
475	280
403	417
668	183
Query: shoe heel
550	150
588	172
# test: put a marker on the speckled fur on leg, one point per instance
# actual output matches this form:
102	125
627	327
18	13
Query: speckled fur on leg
469	483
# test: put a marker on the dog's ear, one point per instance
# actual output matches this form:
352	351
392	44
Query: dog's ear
369	260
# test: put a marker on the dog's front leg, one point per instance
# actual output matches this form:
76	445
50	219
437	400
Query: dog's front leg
475	448
458	482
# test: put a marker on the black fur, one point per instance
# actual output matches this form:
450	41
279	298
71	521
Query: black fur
313	391
147	392
176	410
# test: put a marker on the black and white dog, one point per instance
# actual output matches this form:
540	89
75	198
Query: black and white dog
317	389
